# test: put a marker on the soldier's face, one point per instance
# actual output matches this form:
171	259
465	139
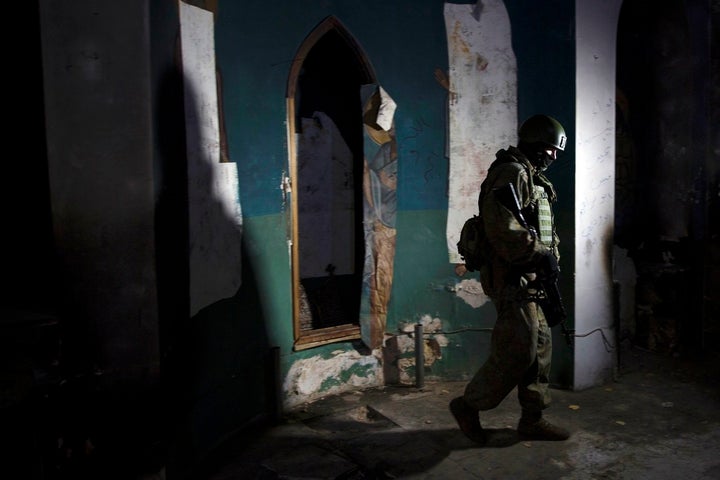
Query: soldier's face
548	157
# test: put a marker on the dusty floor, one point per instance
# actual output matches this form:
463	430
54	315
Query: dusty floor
659	420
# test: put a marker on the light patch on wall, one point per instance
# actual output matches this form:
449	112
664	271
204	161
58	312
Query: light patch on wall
594	188
482	79
471	291
215	216
315	377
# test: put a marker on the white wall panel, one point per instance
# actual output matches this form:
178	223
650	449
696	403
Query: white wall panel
596	27
215	219
482	103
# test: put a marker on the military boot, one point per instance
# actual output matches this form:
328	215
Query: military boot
533	427
467	419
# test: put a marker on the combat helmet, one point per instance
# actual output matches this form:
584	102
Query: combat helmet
544	130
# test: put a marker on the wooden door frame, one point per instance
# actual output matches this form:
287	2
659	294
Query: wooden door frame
321	336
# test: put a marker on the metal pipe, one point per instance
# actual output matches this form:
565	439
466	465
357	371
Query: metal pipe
419	356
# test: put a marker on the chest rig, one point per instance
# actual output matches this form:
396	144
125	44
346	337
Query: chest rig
538	212
537	209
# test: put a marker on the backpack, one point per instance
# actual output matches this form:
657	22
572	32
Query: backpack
473	246
472	243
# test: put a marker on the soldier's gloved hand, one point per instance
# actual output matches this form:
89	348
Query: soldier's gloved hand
547	266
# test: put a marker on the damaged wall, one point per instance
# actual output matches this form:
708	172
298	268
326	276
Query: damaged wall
117	124
482	103
120	192
407	44
328	373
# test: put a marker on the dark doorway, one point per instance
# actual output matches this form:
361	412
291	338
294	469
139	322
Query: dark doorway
659	164
328	183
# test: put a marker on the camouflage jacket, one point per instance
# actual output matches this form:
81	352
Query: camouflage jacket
514	250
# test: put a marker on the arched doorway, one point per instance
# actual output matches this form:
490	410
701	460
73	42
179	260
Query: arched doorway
325	140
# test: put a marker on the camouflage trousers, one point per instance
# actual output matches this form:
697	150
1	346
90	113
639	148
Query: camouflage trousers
520	355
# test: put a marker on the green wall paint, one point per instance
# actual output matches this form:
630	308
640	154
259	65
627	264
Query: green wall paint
345	375
405	41
267	265
424	285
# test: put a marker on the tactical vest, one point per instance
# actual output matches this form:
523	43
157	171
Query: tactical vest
543	221
537	212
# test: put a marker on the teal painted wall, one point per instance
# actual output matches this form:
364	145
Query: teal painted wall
227	355
405	41
424	285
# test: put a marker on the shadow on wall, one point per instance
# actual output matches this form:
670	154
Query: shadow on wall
218	367
67	420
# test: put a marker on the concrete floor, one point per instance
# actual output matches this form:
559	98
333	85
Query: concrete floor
659	420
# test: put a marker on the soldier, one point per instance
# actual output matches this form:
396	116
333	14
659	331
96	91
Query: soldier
519	254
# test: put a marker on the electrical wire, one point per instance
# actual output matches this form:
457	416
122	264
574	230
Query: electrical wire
609	347
440	332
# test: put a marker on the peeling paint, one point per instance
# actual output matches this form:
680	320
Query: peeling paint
315	377
399	354
214	213
471	291
482	112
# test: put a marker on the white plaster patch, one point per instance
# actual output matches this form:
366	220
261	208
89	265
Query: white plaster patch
430	323
405	343
386	112
471	291
483	103
306	377
594	187
215	216
405	367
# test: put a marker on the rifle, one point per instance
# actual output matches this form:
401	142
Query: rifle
551	304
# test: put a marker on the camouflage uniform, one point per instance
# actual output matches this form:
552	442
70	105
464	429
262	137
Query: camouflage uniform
521	345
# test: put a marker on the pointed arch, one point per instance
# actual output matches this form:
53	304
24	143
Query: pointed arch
331	37
330	23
